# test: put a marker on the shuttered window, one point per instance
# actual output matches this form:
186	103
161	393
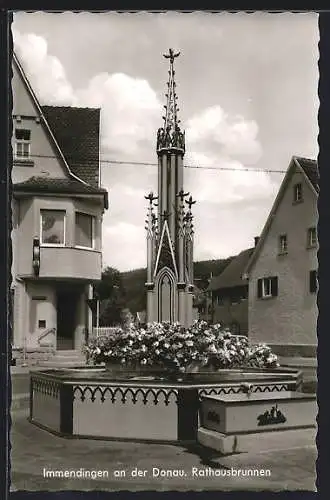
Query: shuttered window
268	287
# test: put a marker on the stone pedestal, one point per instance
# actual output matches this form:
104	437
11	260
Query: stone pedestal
231	422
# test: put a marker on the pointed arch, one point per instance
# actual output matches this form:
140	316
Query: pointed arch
166	295
165	255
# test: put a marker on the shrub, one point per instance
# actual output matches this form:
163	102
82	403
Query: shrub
175	347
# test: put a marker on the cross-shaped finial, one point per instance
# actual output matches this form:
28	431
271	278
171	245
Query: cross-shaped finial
190	202
171	55
181	194
151	197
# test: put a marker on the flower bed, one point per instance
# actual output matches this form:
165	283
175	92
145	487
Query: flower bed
178	349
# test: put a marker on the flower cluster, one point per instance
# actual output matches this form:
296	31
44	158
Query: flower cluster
177	348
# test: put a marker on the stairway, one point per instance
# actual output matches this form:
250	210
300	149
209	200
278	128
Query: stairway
308	366
65	359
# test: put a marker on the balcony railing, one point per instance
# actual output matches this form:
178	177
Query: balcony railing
70	262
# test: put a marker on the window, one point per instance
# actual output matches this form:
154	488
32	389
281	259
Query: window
84	236
267	287
282	244
22	143
313	282
311	237
42	323
297	193
219	300
52	227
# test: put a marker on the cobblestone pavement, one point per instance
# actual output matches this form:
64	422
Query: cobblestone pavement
34	450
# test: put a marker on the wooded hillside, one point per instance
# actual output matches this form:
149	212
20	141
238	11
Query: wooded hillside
133	281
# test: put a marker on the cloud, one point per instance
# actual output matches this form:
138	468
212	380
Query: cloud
44	70
130	115
124	246
130	110
228	145
231	136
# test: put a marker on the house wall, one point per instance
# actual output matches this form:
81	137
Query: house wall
58	265
36	301
291	317
38	309
228	313
232	309
45	159
82	319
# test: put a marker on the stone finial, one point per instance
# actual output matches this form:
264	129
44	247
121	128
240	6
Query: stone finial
170	135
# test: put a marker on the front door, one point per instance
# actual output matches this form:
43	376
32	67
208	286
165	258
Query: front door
67	302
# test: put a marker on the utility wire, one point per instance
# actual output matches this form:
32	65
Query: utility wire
149	164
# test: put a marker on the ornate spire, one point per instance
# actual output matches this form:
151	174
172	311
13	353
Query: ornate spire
170	136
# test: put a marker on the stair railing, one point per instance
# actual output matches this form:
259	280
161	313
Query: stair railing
45	333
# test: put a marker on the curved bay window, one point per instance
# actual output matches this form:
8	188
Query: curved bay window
84	230
52	230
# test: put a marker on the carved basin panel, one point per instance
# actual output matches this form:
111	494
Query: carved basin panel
257	412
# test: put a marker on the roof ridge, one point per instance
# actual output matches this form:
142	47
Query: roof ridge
37	104
231	275
71	107
298	157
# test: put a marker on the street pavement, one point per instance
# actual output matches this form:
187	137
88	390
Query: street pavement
35	450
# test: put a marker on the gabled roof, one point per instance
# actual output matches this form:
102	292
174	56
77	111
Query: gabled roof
309	169
58	185
43	118
165	255
231	276
77	133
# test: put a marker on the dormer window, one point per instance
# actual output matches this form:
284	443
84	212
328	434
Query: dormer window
297	193
22	143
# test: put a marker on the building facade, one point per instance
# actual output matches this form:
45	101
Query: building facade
229	295
57	210
170	280
282	271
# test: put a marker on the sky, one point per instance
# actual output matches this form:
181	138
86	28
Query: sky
247	93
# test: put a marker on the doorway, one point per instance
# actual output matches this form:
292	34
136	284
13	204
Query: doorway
67	303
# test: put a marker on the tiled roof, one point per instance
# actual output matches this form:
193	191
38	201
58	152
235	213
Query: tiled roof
311	170
53	185
76	131
231	276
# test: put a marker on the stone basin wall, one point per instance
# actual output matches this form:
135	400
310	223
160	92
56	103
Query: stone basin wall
96	404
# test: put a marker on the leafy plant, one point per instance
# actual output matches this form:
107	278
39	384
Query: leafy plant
177	348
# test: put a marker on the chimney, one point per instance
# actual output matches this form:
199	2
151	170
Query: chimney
256	240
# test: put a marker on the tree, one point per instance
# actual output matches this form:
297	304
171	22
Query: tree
111	293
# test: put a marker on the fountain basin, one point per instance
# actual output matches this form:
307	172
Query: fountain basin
236	423
91	403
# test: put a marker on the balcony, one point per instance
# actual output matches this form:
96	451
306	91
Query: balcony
70	263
